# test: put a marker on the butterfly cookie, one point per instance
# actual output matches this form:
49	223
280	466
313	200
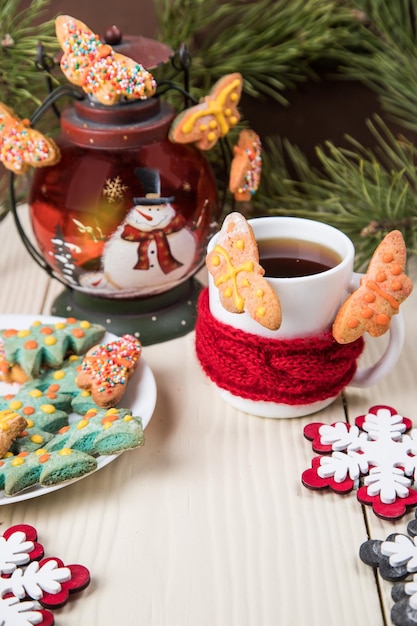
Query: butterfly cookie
21	146
383	288
246	166
204	123
95	67
234	265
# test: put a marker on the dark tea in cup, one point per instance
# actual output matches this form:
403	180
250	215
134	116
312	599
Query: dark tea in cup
291	258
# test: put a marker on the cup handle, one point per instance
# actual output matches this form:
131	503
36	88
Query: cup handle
368	376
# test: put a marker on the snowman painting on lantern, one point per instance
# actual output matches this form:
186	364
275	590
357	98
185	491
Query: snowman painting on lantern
151	251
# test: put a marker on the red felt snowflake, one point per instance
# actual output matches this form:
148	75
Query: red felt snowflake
31	584
374	456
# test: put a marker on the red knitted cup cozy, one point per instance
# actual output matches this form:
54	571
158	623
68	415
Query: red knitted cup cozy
285	371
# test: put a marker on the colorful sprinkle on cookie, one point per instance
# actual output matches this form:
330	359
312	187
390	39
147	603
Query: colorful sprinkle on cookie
383	288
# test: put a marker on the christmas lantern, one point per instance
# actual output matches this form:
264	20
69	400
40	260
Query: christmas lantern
123	216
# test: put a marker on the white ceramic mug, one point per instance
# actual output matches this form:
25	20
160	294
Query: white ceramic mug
309	306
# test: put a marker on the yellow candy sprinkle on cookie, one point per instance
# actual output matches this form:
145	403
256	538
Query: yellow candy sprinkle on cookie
50	341
59	375
82	424
23	333
48	408
35	393
65	451
36	439
17	461
85	324
15	405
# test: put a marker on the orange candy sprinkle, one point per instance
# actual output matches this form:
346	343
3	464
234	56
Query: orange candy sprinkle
78	333
10	332
44	457
47	330
28	410
31	345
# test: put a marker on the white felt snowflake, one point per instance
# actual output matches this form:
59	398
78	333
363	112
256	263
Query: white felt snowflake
114	189
375	456
30	584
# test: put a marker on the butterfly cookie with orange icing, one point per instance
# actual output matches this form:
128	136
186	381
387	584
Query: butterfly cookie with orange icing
234	265
97	68
21	146
204	123
246	166
383	288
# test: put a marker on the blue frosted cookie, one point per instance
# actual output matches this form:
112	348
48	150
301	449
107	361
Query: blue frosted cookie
47	345
48	410
46	468
101	431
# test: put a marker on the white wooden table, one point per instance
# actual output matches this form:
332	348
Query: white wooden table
209	524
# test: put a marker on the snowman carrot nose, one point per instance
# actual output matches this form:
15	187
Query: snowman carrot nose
146	216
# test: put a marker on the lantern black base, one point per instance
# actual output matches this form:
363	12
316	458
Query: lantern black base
152	319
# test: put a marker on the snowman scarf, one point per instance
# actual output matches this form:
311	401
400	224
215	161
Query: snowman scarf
166	261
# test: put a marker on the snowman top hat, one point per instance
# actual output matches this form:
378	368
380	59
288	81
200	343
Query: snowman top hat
151	182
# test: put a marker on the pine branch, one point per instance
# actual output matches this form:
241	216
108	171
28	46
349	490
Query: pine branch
273	44
21	83
366	193
385	58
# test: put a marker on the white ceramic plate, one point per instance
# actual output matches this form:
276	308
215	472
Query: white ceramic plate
140	397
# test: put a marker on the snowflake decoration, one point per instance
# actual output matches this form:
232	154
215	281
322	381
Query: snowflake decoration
114	189
396	558
374	456
30	585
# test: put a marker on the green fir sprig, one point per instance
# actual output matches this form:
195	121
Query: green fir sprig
272	44
364	192
22	84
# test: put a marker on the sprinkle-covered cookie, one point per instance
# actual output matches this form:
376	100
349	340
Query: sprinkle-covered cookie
21	146
204	123
97	68
106	369
246	166
234	265
47	345
383	288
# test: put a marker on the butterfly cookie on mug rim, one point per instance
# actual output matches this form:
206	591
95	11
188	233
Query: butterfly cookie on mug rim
234	265
382	289
204	123
95	67
21	146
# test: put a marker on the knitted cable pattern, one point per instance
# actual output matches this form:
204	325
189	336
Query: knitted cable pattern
286	371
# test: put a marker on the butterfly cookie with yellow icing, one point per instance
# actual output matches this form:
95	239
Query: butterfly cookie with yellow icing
97	68
21	146
383	288
204	123
234	265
